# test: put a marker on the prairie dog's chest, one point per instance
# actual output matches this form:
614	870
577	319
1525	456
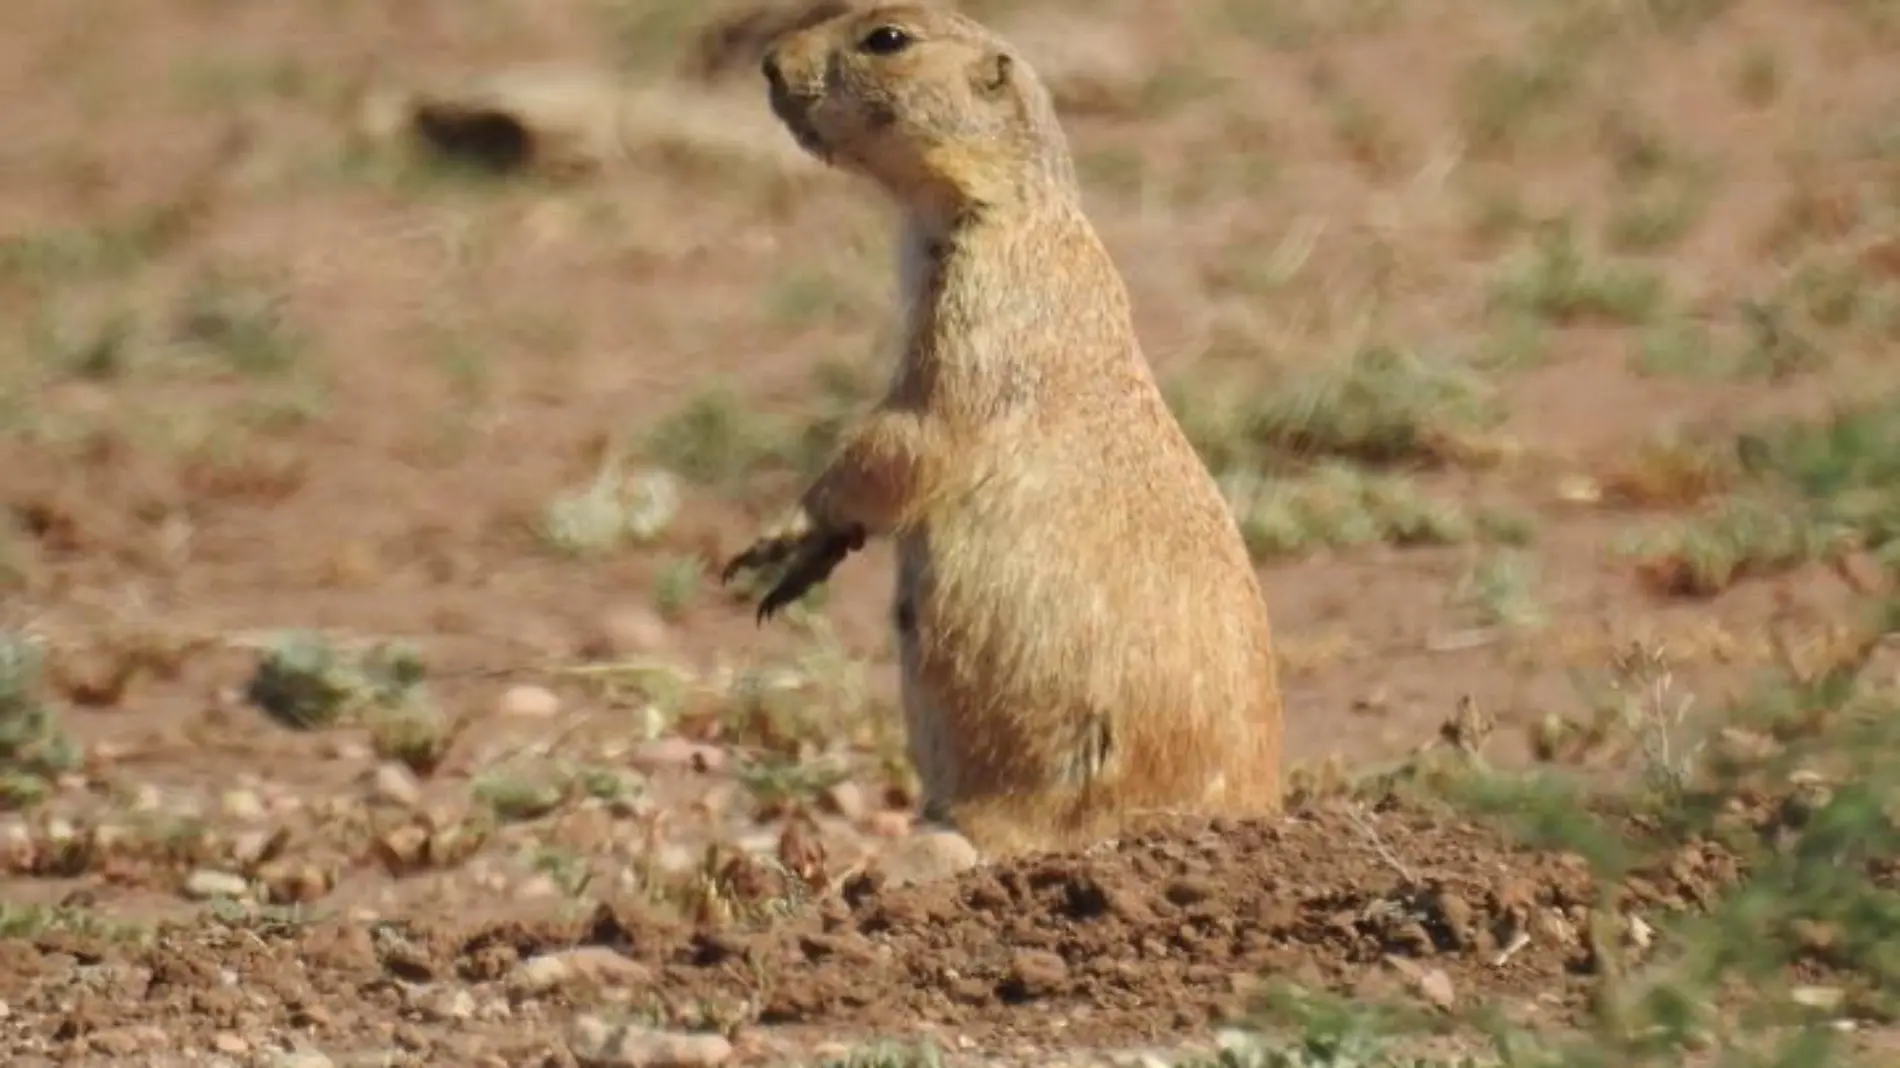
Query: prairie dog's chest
1001	504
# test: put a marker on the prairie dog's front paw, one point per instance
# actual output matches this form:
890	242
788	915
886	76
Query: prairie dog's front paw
773	547
804	554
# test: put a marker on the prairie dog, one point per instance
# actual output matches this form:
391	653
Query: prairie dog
1081	634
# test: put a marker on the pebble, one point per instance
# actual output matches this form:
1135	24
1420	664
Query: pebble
206	883
530	702
592	964
232	1044
16	845
629	631
446	1005
928	856
305	1058
846	799
244	805
597	1044
394	784
888	824
349	750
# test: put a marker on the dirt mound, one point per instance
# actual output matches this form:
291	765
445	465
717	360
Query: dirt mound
1157	935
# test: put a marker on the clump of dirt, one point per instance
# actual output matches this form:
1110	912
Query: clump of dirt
1160	934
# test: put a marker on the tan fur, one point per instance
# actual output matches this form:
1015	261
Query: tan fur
1081	633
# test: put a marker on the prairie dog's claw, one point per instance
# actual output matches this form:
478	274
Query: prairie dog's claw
766	552
817	556
773	548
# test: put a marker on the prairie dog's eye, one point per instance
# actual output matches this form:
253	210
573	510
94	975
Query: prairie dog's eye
885	41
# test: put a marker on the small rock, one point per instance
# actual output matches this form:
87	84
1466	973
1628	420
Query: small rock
293	883
676	859
116	1042
205	884
928	856
846	799
1579	489
446	1005
232	1044
628	631
1432	984
598	965
888	824
349	750
394	784
665	754
401	849
1863	572
530	702
1825	998
538	887
249	848
1436	987
1037	973
17	850
596	1044
303	1058
244	805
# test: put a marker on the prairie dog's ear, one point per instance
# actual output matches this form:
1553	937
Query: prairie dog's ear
993	72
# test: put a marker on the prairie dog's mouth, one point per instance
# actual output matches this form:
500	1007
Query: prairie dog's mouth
794	110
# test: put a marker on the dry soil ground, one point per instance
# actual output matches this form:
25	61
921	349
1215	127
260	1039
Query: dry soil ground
1484	287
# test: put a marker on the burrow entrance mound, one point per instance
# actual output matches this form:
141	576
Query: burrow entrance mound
1152	937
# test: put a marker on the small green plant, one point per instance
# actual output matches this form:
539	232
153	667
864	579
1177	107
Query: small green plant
1364	134
777	783
1758	77
677	585
242	323
34	749
1318	1030
1678	348
1505	102
1558	280
1381	405
1500	589
1657	213
844	390
1743	538
37	921
95	348
1814	490
1340	506
517	798
303	681
412	732
48	259
570	871
616	508
806	297
712	440
1776	348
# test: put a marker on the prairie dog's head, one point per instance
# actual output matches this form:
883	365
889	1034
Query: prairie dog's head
925	102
